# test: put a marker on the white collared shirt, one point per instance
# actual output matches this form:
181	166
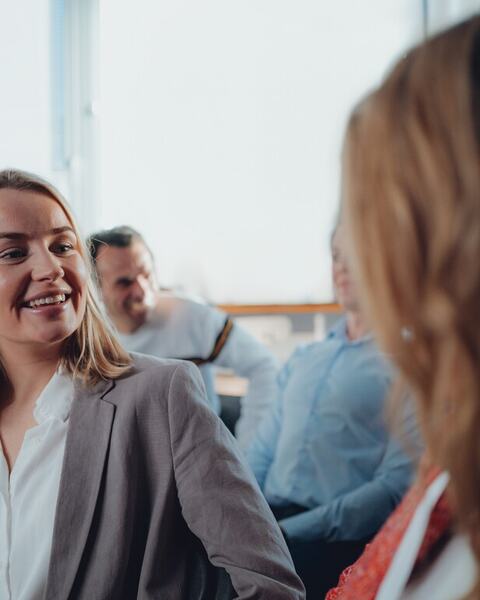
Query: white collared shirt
449	577
28	496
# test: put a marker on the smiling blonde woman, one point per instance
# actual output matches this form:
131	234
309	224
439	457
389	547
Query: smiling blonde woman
116	480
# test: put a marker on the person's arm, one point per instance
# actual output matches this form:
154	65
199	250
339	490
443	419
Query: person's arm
360	513
250	359
261	451
263	446
221	502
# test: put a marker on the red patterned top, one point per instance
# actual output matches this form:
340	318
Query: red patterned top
362	580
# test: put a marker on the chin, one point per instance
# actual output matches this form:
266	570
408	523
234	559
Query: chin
54	335
138	318
351	306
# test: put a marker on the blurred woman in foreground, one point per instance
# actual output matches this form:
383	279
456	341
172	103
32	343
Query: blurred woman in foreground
412	211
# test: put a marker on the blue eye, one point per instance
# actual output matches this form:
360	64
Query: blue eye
63	248
13	254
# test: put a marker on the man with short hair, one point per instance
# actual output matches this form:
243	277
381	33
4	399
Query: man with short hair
171	326
323	456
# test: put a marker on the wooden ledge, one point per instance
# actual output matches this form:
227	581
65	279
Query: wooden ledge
276	309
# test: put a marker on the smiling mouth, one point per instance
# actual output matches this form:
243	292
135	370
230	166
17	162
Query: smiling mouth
137	306
46	301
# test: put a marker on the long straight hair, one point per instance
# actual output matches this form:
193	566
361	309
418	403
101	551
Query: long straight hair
412	210
92	353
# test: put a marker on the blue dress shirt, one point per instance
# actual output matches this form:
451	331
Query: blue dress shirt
325	444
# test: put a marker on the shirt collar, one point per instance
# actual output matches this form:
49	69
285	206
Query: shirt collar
339	331
56	398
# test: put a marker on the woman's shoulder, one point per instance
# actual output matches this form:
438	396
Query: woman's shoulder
148	365
155	378
147	370
162	395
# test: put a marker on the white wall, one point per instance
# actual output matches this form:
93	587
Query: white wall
221	124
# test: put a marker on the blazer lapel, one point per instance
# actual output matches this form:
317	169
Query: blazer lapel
86	448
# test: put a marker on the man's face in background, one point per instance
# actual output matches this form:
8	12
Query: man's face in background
128	284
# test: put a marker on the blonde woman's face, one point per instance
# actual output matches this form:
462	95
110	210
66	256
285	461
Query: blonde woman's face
42	273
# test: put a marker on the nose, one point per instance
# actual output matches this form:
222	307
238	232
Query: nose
139	288
339	267
47	267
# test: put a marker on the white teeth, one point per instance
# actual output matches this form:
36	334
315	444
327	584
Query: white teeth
47	300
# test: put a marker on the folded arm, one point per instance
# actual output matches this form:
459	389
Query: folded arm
361	512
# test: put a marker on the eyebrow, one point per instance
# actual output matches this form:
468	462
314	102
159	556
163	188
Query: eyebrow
13	235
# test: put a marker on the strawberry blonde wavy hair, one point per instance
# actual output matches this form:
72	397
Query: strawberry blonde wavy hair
92	353
412	210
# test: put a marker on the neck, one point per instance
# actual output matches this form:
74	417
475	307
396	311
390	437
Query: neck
125	327
356	325
27	372
129	324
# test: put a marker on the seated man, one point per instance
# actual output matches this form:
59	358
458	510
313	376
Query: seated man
323	456
169	326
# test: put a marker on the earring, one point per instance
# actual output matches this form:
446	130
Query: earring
407	334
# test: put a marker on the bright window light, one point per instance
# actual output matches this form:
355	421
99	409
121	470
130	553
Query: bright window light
221	125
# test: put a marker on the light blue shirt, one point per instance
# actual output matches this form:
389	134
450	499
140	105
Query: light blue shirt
325	444
183	328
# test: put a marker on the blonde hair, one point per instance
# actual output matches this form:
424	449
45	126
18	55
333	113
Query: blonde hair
412	210
92	353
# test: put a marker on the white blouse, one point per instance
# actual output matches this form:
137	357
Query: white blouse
451	575
28	496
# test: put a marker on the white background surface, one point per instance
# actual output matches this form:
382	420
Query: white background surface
221	125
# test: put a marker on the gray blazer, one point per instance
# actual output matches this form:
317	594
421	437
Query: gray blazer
148	469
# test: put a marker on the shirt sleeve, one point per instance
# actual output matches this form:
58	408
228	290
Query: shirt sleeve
250	359
361	512
263	447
